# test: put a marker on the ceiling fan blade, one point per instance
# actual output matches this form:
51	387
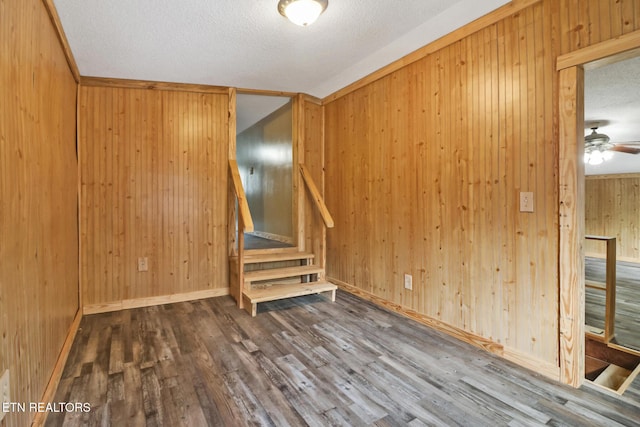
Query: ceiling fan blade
625	149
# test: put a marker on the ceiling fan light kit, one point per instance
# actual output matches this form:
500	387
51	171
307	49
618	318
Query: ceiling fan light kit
302	12
598	148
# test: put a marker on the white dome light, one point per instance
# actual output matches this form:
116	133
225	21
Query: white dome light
302	12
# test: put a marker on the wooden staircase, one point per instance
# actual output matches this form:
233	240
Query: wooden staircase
271	275
257	276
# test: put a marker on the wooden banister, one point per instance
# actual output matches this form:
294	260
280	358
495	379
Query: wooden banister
316	197
238	189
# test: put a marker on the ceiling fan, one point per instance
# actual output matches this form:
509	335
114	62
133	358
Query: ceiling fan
601	142
599	148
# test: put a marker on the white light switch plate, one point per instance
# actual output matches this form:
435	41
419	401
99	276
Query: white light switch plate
143	264
526	201
408	282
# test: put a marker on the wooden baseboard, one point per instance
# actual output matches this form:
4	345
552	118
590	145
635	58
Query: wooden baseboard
549	370
151	301
50	391
545	368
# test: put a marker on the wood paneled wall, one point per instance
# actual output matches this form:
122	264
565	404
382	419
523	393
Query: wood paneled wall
38	201
612	208
587	22
313	158
425	166
154	184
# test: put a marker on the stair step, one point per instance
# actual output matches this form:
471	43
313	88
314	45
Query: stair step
276	292
281	273
277	257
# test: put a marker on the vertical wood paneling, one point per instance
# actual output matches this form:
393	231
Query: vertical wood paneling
154	183
585	23
472	124
429	162
315	232
38	201
612	208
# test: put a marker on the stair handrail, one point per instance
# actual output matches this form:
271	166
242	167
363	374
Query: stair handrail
238	189
316	197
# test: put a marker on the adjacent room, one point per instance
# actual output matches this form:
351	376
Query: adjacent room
319	212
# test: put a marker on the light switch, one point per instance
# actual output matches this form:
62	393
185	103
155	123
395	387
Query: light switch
143	264
526	201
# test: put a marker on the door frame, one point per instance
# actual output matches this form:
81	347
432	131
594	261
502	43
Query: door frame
571	68
297	146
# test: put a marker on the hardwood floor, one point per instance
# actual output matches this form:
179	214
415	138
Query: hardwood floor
627	325
306	362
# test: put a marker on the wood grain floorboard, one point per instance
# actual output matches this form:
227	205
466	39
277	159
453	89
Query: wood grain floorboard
310	362
627	323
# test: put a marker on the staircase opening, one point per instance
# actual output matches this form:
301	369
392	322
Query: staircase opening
264	152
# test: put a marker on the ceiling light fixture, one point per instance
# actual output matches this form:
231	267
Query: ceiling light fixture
596	148
302	12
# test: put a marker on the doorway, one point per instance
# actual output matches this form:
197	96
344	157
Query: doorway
572	195
264	151
612	199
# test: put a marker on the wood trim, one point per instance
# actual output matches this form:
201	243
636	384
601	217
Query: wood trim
602	53
316	196
312	99
231	202
232	121
481	23
152	85
52	386
549	370
460	334
243	205
571	209
298	134
151	301
616	176
62	38
545	368
79	201
245	91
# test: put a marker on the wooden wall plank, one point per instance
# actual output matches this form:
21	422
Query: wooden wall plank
38	201
612	208
154	184
489	128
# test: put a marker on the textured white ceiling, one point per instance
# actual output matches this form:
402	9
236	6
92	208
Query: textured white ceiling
248	44
612	102
252	108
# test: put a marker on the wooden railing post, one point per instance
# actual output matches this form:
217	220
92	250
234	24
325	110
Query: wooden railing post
609	289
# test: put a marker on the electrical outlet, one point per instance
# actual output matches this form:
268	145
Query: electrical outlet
408	282
143	264
4	392
526	201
